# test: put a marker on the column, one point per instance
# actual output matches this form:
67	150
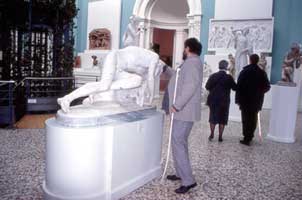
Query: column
179	39
194	26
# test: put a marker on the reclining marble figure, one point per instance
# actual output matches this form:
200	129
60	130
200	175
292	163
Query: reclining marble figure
124	69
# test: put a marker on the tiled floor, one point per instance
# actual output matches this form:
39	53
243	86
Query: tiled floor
227	170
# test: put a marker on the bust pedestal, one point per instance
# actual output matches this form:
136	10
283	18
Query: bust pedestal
283	113
87	72
104	157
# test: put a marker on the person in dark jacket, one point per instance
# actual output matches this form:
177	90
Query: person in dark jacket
252	84
219	86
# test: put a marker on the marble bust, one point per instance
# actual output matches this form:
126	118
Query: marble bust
128	73
100	39
292	63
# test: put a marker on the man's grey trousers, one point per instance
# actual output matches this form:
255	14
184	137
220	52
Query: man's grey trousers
180	134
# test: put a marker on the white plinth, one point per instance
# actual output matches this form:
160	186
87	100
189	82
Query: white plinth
103	162
267	103
283	114
235	113
87	72
83	76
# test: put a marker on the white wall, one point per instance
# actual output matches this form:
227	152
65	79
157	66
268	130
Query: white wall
163	11
105	14
243	9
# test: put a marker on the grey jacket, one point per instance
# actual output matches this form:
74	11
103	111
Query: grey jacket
188	95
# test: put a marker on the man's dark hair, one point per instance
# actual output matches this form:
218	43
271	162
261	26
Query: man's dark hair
223	64
254	59
194	45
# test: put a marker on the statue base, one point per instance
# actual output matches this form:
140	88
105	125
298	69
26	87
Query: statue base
283	114
105	157
101	113
288	84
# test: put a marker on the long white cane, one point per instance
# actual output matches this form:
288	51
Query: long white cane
259	127
171	126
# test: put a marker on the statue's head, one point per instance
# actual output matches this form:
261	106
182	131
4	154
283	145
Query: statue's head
230	56
131	18
295	47
238	33
134	19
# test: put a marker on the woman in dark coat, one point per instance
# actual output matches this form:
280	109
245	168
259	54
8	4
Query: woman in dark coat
219	85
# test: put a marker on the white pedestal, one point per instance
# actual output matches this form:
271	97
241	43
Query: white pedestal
87	72
298	81
267	104
300	98
87	61
103	162
83	76
235	113
283	114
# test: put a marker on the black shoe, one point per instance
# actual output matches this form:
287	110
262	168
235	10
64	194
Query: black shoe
245	142
185	189
211	137
173	178
220	139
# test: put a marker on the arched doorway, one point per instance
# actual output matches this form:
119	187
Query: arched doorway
184	18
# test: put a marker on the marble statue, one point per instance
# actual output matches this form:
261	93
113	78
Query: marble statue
131	36
94	60
242	51
100	39
132	69
291	63
232	68
207	70
263	62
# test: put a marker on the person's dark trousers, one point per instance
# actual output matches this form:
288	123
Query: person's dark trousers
165	102
249	124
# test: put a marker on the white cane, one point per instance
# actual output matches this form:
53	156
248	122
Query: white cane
259	127
171	126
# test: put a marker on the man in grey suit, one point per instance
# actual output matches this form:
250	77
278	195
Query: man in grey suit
187	110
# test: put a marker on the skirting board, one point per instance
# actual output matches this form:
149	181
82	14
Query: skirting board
50	196
282	140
